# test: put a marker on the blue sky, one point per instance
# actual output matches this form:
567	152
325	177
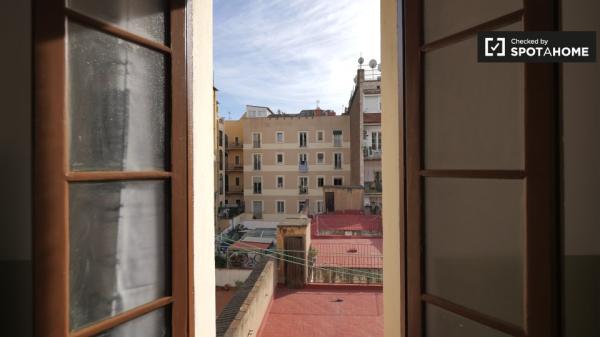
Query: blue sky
287	54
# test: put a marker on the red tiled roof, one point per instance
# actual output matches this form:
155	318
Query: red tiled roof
349	253
245	245
372	118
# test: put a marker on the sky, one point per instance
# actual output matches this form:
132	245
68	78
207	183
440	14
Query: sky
287	54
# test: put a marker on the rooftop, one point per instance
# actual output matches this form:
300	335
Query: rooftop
349	253
328	312
346	222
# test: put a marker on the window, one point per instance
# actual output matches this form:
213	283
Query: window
238	202
237	160
257	161
220	140
302	136
337	138
115	233
372	103
279	138
376	140
303	185
302	159
280	183
301	205
320	136
237	181
257	208
320	158
320	181
338	181
237	141
320	208
279	159
337	161
256	140
280	206
257	185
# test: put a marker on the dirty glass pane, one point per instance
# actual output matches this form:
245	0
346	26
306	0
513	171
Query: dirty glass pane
474	112
442	323
441	15
116	100
118	248
142	17
474	244
154	324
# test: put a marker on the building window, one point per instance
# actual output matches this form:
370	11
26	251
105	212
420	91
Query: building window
301	205
302	137
238	202
257	185
320	181
237	181
320	158
220	137
338	181
303	185
320	206
237	160
280	206
337	161
280	183
279	159
256	141
376	140
257	162
279	137
320	136
337	138
303	162
237	141
257	207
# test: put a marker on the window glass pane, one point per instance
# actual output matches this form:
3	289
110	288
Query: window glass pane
117	103
440	16
485	131
474	239
154	324
142	17
442	323
119	241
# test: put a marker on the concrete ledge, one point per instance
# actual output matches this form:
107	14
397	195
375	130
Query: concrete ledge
244	314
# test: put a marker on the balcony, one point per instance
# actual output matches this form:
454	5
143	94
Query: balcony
234	146
234	190
371	154
303	168
373	187
302	189
234	167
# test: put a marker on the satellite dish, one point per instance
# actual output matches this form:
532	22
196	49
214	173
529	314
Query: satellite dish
373	64
379	67
361	60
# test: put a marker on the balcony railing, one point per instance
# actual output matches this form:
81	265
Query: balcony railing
234	145
345	263
234	167
371	154
303	189
373	187
303	168
234	189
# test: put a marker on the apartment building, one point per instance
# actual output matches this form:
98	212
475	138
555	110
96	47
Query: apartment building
219	150
234	162
289	158
364	110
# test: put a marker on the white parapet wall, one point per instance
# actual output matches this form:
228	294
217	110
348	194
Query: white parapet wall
230	277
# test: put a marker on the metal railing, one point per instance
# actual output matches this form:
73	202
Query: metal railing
303	168
370	153
373	187
345	263
234	145
303	189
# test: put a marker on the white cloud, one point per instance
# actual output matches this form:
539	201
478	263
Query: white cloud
289	53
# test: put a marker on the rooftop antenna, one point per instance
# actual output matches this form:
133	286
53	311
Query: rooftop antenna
361	60
228	114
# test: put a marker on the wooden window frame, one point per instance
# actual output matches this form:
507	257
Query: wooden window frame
52	174
540	174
